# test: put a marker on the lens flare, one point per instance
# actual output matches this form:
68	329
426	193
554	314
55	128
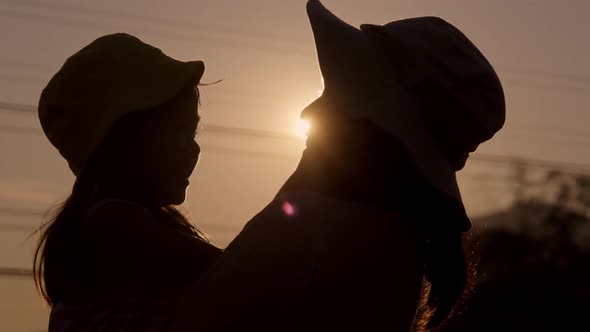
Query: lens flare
288	209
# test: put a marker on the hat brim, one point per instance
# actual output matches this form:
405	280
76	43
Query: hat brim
197	70
178	74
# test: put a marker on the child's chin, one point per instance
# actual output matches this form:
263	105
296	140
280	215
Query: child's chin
175	198
179	200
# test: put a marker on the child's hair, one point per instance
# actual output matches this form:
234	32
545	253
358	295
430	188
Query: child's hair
58	264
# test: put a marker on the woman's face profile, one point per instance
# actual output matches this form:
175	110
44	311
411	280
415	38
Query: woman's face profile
163	154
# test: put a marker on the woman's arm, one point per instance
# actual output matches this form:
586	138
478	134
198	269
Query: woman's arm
313	263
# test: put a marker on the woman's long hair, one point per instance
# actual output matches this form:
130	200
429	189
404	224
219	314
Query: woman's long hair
445	265
58	265
438	217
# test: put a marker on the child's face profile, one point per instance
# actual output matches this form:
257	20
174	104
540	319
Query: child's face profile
163	153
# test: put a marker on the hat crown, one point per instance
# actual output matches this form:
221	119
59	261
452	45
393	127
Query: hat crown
402	55
431	50
374	73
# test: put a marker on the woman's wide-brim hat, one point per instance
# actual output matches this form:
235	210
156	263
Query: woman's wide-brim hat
370	73
114	75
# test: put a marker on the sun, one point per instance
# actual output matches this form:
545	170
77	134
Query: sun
303	128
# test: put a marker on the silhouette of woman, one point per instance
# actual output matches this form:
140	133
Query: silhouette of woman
374	206
124	116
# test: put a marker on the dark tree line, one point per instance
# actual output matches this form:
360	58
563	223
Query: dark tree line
531	263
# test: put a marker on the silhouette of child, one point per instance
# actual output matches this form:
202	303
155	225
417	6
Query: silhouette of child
124	116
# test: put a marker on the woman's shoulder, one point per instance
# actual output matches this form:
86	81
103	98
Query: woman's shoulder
318	204
334	217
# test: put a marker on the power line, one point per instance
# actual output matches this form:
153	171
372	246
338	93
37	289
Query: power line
207	31
293	48
18	107
20	130
35	81
252	154
535	72
189	35
258	133
574	88
214	129
222	31
16	272
7	227
561	82
21	212
266	134
249	132
583	168
207	128
16	228
219	32
218	149
162	21
27	212
576	168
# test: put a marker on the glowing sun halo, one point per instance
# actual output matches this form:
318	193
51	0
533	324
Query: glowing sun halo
303	128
